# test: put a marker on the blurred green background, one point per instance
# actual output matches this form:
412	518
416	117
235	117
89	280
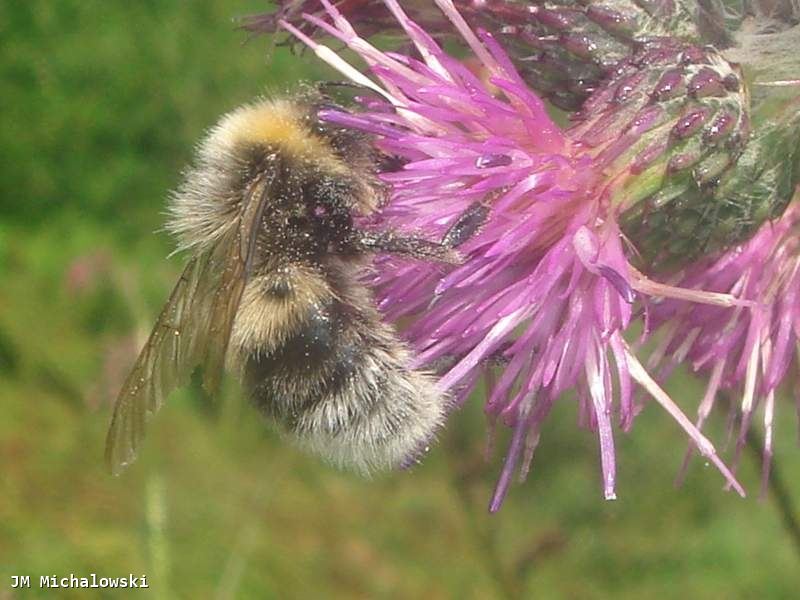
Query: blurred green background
101	105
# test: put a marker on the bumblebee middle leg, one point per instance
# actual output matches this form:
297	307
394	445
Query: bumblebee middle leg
467	225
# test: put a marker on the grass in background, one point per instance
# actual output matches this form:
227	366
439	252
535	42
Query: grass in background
102	105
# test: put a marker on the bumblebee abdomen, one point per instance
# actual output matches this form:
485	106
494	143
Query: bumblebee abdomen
312	363
342	386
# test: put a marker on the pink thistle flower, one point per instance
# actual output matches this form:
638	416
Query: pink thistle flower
749	350
546	286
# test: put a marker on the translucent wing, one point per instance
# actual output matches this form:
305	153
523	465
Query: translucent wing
193	329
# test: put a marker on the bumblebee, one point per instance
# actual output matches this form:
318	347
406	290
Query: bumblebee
272	292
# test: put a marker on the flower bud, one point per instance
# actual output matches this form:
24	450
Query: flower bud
668	126
562	48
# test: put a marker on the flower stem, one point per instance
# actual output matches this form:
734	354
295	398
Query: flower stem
787	508
467	468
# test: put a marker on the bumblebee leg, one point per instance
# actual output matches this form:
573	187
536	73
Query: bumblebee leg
498	358
467	225
445	251
412	247
324	87
346	92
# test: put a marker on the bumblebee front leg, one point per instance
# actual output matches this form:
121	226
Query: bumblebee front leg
444	251
326	86
411	247
467	225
